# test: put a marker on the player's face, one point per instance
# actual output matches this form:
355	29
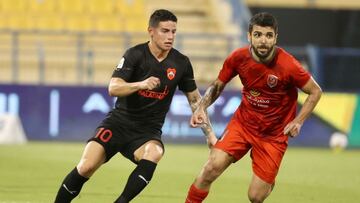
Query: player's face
262	40
163	36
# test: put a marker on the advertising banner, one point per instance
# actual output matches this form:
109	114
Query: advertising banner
71	113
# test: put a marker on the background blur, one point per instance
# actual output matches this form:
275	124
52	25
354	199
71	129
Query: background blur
57	56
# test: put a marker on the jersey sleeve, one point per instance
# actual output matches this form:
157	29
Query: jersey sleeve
187	82
298	74
126	66
228	70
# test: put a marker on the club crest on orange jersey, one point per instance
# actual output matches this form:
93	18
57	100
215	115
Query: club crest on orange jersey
272	81
171	72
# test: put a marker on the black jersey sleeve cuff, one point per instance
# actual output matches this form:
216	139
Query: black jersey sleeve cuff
189	86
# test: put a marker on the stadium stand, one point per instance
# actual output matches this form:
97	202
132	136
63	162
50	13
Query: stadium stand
132	8
73	15
194	15
14	6
50	22
5	55
100	7
81	22
43	7
109	23
80	41
71	7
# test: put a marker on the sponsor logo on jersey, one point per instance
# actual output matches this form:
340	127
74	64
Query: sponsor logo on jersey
272	81
254	99
263	103
254	93
121	63
171	72
153	94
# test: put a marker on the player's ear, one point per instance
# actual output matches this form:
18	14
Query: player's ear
249	37
150	30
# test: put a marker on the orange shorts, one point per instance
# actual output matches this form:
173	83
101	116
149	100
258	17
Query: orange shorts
266	154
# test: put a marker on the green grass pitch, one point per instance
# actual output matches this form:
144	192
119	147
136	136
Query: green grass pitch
31	173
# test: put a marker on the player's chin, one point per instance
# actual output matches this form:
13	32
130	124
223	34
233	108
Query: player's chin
263	53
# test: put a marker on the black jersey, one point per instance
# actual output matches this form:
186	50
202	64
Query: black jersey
151	106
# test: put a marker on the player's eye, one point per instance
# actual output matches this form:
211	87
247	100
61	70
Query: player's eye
164	30
269	35
257	34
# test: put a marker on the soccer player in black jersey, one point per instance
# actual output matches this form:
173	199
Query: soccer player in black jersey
144	83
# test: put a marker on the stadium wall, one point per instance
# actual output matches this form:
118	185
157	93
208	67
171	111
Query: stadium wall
71	113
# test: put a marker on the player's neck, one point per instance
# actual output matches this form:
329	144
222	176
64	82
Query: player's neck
265	60
158	53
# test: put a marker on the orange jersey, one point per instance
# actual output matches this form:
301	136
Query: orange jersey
269	96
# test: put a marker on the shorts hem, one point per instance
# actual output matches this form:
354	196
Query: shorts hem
107	158
143	141
267	180
229	153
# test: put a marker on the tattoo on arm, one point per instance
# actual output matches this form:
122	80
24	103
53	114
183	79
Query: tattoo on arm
211	94
207	128
194	102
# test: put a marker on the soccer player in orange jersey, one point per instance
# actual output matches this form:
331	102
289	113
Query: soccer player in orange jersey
266	116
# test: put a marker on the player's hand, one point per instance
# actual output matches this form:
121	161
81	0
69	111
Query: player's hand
292	129
150	83
198	119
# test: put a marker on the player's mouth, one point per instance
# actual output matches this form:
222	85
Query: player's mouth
168	45
262	50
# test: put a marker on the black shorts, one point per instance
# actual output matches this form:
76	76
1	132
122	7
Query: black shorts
123	136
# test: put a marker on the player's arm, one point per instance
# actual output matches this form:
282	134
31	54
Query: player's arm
194	99
314	93
211	94
120	88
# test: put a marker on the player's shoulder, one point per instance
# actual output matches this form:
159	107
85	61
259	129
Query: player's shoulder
137	49
242	51
285	57
135	53
177	54
283	54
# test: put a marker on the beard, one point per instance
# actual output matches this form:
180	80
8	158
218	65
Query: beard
261	54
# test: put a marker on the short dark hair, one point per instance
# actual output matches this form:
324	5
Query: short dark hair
160	16
264	20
